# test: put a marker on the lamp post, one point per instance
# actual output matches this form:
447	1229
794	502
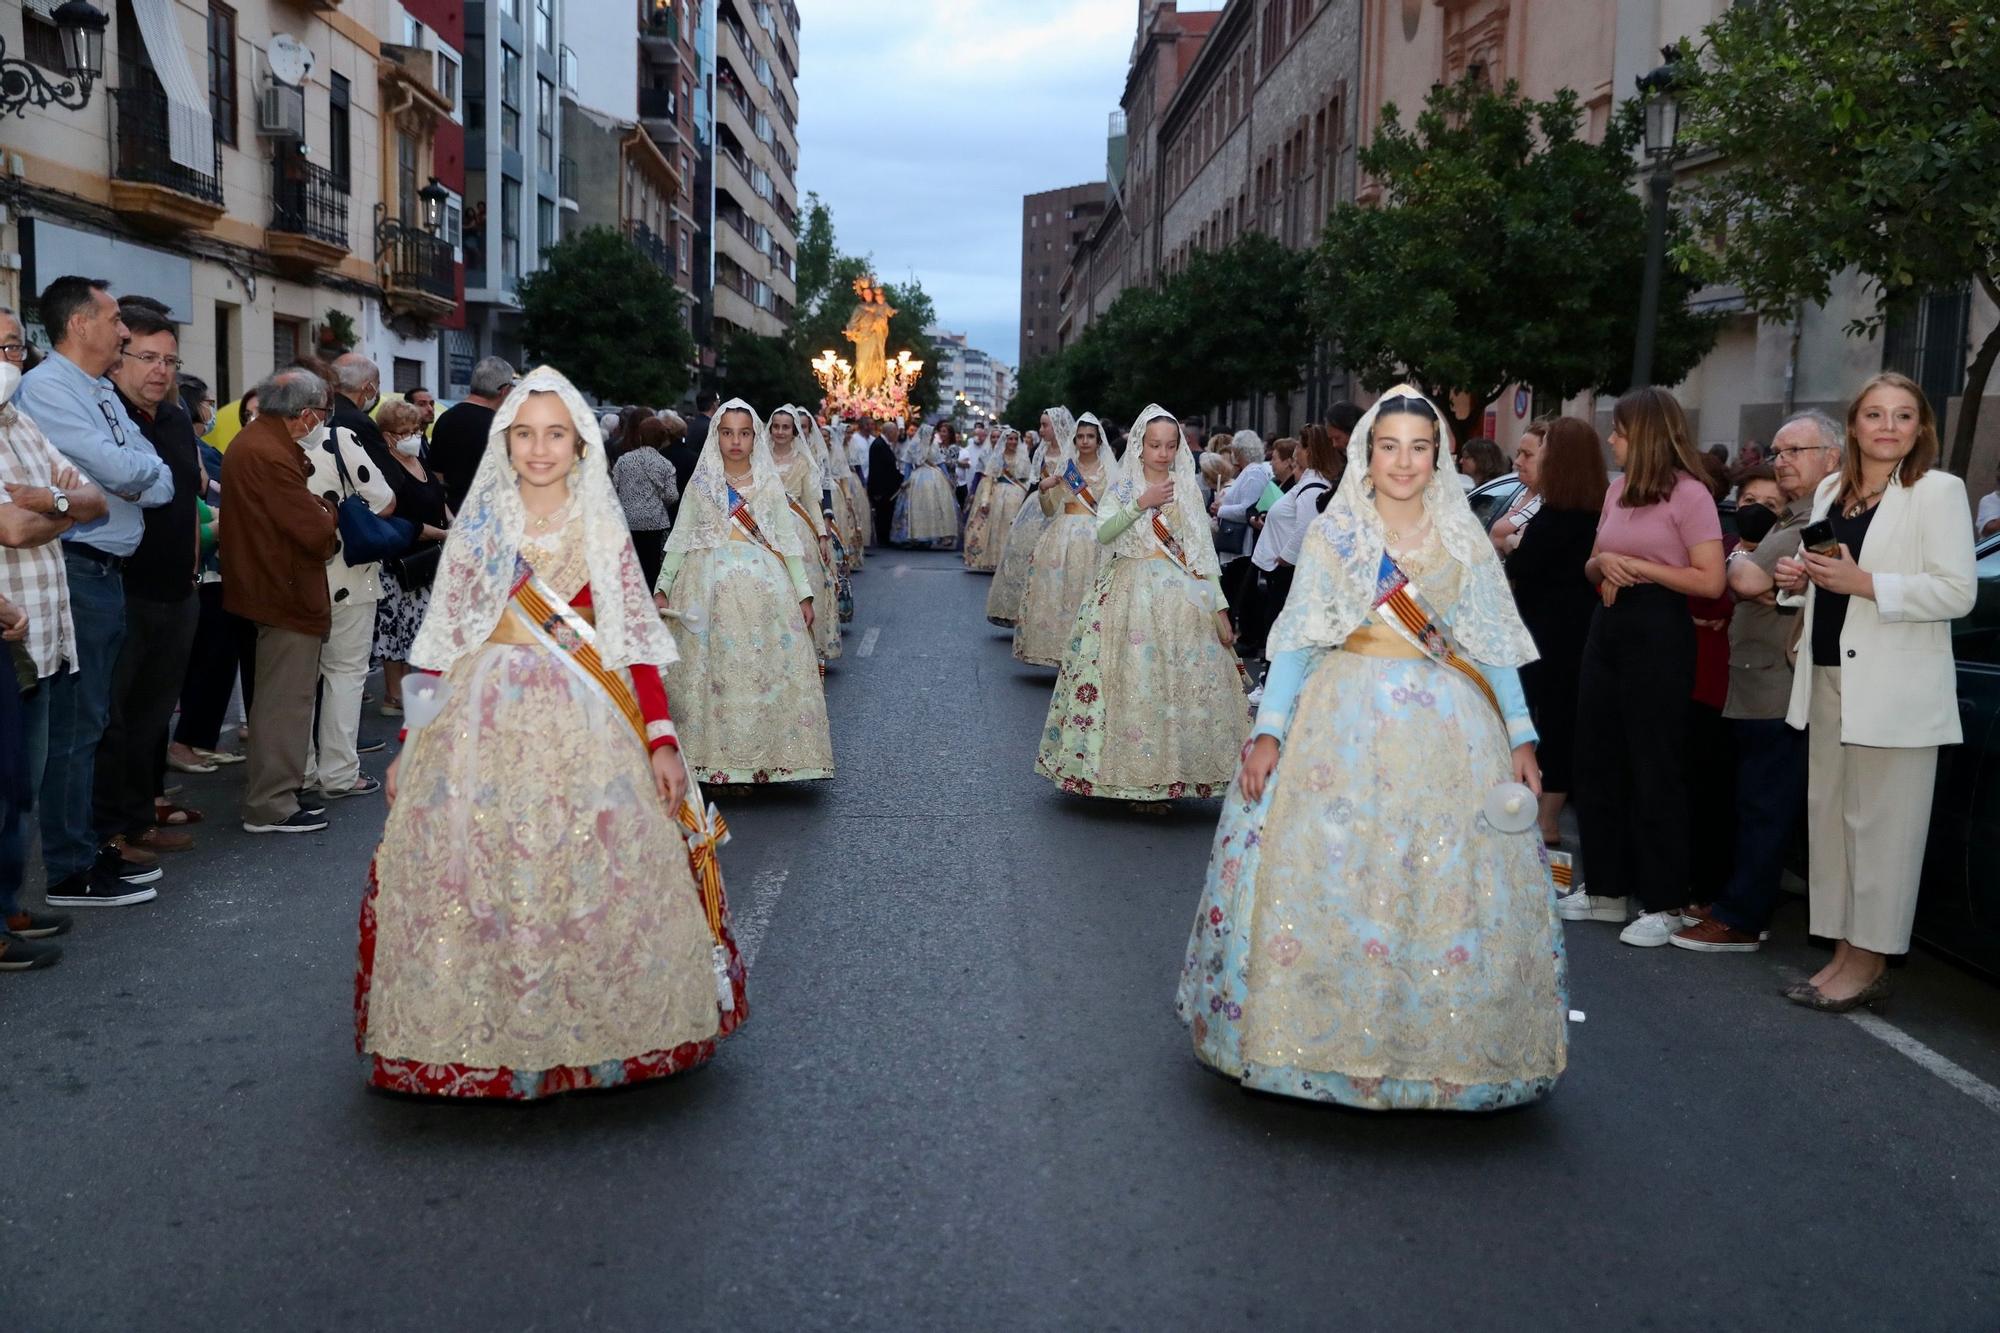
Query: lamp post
1663	124
80	29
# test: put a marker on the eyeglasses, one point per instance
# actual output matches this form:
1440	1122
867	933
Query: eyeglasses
14	351
111	420
1796	450
151	359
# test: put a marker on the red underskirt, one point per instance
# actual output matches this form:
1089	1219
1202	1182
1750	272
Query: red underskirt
454	1080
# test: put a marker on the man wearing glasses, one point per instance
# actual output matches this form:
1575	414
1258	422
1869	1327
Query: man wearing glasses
79	411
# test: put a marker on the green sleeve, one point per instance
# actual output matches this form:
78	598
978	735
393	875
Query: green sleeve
204	518
1113	524
797	570
669	569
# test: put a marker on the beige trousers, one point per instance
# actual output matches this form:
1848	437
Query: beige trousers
281	722
1868	815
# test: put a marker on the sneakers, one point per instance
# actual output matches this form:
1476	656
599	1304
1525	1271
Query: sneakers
311	800
371	747
101	886
300	821
1695	916
1257	695
20	955
1578	905
1713	937
363	786
128	869
35	925
1649	930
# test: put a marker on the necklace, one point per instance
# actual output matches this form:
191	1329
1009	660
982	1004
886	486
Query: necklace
1398	539
1855	510
555	517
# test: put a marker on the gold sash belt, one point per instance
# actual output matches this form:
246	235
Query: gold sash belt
1373	639
512	631
1076	507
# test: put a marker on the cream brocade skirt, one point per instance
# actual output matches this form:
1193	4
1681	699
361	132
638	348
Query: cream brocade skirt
1064	567
825	588
746	693
987	519
849	503
1010	576
535	908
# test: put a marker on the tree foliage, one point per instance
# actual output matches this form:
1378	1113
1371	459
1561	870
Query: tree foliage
826	299
1042	383
1506	248
607	317
1855	134
766	372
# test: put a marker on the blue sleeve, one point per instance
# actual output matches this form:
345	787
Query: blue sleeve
77	429
1506	683
1281	691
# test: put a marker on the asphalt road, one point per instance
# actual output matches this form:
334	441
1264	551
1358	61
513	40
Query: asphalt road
962	1100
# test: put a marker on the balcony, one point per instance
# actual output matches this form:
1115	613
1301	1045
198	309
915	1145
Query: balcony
566	181
308	213
416	270
147	185
652	245
660	39
659	112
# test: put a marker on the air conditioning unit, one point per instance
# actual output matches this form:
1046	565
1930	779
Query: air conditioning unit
281	112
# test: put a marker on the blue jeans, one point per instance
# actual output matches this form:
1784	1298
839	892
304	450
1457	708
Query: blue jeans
14	819
1770	802
79	705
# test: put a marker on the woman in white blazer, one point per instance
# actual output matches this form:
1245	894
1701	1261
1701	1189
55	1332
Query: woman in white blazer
1875	684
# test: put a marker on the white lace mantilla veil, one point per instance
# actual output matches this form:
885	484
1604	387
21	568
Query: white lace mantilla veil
475	577
1106	458
1187	516
805	443
1064	426
1334	589
703	524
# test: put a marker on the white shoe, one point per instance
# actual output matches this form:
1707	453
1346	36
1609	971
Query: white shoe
1257	695
1650	930
1577	905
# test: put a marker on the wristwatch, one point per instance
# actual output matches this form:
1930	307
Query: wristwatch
59	501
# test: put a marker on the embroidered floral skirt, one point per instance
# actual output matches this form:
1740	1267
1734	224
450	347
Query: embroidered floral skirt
1364	935
1061	573
926	512
531	925
993	506
1010	576
860	518
825	581
1149	706
746	693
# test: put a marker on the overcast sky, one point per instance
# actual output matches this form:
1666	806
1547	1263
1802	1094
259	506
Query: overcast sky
923	122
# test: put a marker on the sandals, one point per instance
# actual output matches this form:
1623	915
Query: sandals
168	815
219	757
202	764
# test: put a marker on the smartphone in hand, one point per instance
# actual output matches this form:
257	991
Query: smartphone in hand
1819	539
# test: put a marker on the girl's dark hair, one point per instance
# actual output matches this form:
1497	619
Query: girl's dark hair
1571	471
1406	405
1322	454
1658	446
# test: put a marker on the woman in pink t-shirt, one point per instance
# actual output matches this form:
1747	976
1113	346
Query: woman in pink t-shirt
1659	542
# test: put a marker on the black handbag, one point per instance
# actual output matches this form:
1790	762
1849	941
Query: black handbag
366	537
419	568
1230	536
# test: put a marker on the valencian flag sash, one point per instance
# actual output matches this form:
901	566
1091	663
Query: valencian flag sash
1406	610
1073	477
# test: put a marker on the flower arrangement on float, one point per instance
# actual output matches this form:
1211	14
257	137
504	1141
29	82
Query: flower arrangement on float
843	397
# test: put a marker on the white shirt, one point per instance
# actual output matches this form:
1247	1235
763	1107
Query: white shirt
1284	531
857	452
347	583
1989	509
1237	501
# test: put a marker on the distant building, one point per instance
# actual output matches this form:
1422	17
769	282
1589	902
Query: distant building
964	373
755	170
1052	224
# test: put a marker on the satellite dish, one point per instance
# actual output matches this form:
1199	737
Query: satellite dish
290	60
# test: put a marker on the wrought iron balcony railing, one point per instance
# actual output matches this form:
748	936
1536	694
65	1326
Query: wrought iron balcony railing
140	143
306	200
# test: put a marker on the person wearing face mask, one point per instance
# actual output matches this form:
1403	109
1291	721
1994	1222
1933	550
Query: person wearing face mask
1367	935
736	594
614	961
1149	705
406	583
279	535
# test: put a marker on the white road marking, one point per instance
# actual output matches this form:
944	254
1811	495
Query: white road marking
902	571
867	648
1947	1069
765	891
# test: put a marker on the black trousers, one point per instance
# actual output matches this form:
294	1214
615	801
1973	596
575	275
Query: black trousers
652	551
132	753
1631	790
1267	599
885	516
224	646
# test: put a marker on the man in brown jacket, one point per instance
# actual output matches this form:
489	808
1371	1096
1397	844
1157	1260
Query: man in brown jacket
276	539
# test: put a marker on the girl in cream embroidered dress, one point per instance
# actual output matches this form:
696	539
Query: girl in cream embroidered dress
747	685
534	926
1067	556
994	503
791	450
926	513
1010	577
1149	705
1364	935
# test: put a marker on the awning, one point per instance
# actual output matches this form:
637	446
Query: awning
190	130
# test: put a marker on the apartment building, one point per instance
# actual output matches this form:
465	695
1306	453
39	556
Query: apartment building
1053	224
754	177
965	374
265	168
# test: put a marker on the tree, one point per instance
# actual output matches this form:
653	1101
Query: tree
607	317
766	372
1855	134
914	314
1506	249
1234	324
1041	384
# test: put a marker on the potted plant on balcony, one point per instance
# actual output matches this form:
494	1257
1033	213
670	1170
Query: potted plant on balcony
336	333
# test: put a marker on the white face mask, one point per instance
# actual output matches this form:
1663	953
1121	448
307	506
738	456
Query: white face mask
410	445
10	380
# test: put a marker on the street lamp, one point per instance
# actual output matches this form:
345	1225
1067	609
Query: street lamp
1661	91
434	196
80	30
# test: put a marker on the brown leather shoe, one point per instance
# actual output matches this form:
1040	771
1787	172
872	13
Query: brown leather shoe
134	853
163	840
1711	936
